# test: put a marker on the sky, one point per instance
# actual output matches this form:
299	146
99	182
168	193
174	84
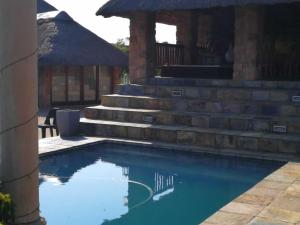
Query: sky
111	29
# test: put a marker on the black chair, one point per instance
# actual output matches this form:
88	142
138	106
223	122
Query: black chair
49	124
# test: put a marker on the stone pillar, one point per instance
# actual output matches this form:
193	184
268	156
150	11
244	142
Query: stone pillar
186	35
142	47
44	86
248	36
205	29
105	80
18	108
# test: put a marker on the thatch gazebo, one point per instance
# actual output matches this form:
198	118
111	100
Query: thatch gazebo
43	6
75	65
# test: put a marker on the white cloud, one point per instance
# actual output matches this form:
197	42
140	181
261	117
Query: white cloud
110	29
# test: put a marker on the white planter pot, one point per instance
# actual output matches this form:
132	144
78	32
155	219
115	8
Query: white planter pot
68	122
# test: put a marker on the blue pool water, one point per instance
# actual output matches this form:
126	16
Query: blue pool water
111	184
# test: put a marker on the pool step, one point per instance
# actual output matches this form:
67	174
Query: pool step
265	108
186	135
228	121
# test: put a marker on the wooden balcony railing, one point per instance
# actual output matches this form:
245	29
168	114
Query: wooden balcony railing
169	54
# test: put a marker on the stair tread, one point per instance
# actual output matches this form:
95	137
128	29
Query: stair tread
198	82
260	102
224	87
253	134
191	113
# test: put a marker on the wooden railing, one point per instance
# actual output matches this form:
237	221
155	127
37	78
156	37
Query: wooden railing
169	54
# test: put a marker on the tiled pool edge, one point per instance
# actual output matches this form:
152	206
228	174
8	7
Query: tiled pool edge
273	201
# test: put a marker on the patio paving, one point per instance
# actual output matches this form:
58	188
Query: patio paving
273	201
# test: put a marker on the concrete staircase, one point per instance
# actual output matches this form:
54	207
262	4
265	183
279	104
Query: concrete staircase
239	117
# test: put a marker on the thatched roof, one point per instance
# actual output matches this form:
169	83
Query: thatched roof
43	6
122	7
62	41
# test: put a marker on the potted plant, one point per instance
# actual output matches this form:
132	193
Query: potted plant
7	212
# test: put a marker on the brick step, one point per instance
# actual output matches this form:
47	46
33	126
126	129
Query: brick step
214	138
265	108
223	83
194	119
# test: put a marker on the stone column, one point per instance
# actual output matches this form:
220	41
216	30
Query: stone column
205	29
105	80
186	35
248	36
142	47
18	108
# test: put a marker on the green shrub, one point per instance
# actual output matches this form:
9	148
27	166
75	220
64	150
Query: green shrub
6	209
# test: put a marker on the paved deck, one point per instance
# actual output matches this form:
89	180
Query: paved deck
273	201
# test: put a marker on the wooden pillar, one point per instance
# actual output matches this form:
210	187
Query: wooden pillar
248	36
18	108
142	47
186	35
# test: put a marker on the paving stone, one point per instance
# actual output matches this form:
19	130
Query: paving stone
181	105
280	214
226	218
261	125
205	93
164	118
153	104
272	185
260	95
264	192
247	143
119	131
168	136
240	124
287	202
137	103
103	130
191	92
288	110
288	146
150	134
269	145
232	108
183	120
269	110
135	133
118	115
294	189
215	107
263	200
200	121
219	122
225	141
165	104
279	96
196	105
242	208
281	177
184	137
205	139
267	221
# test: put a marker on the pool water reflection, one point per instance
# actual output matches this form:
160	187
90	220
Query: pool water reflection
115	184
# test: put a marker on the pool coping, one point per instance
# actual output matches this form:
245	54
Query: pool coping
273	201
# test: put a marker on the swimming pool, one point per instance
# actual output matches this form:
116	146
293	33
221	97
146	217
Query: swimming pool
111	184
